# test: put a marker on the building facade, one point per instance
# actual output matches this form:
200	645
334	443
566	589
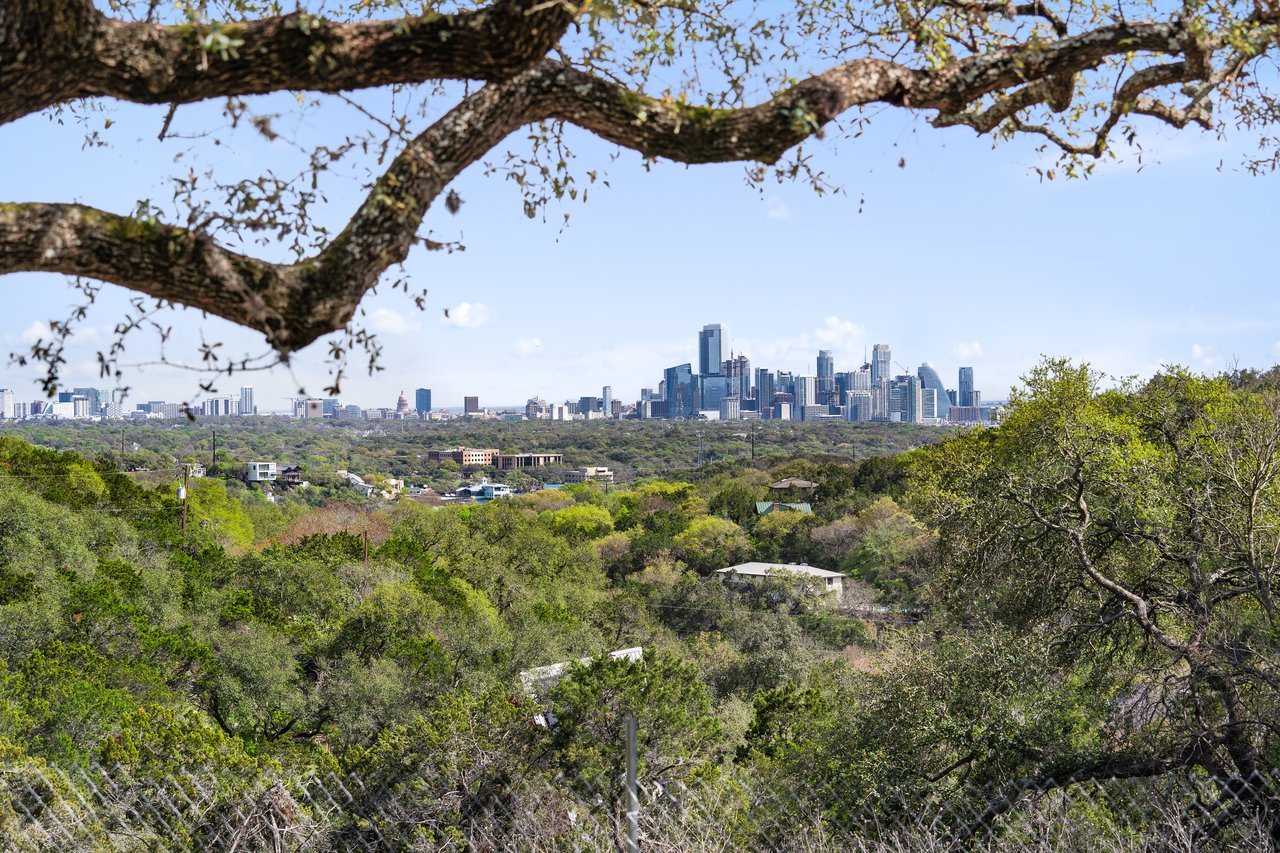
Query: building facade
805	393
881	363
465	455
516	461
710	350
931	381
826	376
678	391
965	395
764	388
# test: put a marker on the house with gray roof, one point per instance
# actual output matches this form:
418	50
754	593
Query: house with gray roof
818	581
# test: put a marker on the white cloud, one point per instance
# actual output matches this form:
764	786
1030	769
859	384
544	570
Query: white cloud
839	332
528	346
469	315
846	340
1204	355
34	332
40	331
967	350
775	209
388	322
87	369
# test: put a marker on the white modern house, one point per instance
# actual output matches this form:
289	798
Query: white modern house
262	472
818	581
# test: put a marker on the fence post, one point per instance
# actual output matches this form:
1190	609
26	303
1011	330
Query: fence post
633	794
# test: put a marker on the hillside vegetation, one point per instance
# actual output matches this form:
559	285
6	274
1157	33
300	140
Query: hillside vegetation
1083	593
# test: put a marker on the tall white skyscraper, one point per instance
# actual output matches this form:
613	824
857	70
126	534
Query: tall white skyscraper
246	400
6	403
806	394
881	363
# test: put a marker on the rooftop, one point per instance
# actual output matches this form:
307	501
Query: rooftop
793	483
766	569
763	507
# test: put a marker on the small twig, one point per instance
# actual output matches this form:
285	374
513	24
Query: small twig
164	129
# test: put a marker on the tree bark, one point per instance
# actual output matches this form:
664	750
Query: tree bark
59	50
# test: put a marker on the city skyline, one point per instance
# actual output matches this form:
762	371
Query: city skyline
736	368
721	387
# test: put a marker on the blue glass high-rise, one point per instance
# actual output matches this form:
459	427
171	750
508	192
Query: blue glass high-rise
710	350
966	387
678	388
826	376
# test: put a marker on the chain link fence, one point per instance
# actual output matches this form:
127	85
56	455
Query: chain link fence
111	809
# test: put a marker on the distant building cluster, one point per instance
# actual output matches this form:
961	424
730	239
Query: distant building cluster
721	388
108	404
421	409
727	389
492	458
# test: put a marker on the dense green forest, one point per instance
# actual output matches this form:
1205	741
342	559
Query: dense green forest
1082	593
633	449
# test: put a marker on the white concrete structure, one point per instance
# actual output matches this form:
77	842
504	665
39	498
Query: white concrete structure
261	472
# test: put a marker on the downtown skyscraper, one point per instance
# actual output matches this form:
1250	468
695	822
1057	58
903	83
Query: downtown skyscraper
881	363
964	395
826	376
710	350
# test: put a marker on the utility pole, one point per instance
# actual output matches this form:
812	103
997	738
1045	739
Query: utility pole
366	539
632	789
182	493
753	442
122	442
215	449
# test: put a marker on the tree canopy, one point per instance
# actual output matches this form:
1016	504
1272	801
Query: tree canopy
691	82
1081	594
1137	527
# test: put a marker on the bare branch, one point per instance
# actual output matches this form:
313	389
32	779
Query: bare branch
292	305
1035	9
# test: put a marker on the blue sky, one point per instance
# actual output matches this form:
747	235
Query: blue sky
962	256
